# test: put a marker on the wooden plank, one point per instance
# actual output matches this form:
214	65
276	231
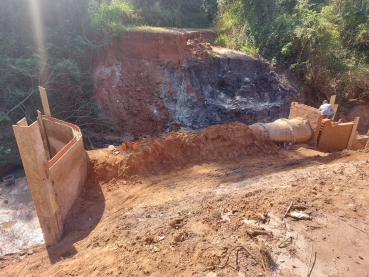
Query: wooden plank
335	111
22	123
45	102
353	133
33	156
76	128
317	131
356	145
367	143
333	100
61	153
45	140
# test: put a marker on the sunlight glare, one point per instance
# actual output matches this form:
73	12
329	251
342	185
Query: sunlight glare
38	32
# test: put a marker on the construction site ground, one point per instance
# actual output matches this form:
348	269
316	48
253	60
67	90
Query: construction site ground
195	220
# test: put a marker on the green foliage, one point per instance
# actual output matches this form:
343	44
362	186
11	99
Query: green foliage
115	16
64	72
112	17
250	49
354	26
220	40
326	43
58	53
362	39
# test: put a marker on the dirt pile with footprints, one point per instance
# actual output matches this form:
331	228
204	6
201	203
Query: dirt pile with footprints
212	203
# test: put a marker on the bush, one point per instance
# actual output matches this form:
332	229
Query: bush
115	16
64	72
112	17
220	40
325	43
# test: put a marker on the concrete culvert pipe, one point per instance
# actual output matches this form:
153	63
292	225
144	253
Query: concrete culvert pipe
283	130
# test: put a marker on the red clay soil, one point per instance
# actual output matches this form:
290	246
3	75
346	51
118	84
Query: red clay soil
129	77
218	143
361	111
184	205
147	83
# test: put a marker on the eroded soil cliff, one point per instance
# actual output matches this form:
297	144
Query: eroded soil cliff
147	83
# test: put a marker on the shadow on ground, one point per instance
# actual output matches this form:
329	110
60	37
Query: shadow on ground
83	218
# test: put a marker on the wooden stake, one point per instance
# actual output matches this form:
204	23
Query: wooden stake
335	111
43	134
317	131
22	123
353	133
311	253
254	233
333	100
45	102
288	209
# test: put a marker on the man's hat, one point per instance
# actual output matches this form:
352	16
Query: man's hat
325	102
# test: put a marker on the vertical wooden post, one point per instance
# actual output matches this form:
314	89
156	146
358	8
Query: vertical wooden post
45	102
34	159
353	133
335	107
43	134
333	100
317	131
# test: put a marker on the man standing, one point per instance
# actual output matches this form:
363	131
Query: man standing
327	110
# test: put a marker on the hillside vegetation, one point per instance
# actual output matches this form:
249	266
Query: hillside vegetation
325	43
54	44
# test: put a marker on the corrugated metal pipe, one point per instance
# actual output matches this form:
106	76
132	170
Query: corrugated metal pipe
283	130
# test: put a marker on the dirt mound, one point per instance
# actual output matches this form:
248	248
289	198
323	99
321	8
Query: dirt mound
174	150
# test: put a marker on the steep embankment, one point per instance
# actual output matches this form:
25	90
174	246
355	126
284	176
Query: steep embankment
149	82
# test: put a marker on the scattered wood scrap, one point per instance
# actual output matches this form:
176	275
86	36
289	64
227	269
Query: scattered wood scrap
299	215
254	233
296	214
288	209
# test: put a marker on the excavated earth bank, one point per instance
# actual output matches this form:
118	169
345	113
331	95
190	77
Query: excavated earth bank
165	210
184	203
218	143
147	83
